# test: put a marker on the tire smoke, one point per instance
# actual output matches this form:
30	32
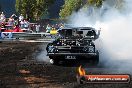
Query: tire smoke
41	55
115	42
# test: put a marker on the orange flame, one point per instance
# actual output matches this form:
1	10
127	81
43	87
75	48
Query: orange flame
81	71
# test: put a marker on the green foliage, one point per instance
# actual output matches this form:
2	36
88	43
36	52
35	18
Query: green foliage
33	9
18	5
74	5
96	3
69	7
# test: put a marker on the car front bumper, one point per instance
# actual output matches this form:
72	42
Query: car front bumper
72	54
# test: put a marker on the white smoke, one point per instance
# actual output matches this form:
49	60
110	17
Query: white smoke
41	56
115	42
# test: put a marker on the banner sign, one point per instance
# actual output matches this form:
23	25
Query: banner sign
6	35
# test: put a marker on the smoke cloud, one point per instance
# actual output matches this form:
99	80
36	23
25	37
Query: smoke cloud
41	54
115	42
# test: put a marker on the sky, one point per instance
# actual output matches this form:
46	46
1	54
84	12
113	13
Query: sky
8	7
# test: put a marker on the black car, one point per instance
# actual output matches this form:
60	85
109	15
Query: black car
74	43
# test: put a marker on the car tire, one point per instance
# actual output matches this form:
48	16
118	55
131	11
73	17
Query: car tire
95	59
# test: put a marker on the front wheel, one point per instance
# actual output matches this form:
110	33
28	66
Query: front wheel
95	59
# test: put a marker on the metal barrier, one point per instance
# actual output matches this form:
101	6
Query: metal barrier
28	37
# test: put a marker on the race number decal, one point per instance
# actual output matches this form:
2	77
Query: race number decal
7	35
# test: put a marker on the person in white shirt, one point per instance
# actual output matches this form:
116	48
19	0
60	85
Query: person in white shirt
22	24
21	18
2	17
26	24
37	28
48	28
14	16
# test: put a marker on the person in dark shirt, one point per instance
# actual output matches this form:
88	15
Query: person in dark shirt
3	28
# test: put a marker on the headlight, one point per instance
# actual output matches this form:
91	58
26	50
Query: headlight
86	49
50	49
91	49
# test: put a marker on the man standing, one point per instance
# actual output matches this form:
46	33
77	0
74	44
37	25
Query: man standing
21	18
37	28
2	17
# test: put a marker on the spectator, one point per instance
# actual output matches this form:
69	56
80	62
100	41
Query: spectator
16	29
2	17
14	16
56	26
11	21
22	24
26	24
21	18
37	28
60	26
16	22
3	27
48	28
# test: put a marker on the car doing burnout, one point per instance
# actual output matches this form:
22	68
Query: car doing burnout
74	43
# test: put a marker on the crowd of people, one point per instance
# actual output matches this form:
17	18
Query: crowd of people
14	21
54	27
20	23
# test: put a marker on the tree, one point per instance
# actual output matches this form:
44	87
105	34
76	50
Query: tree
69	7
96	3
18	6
33	9
75	5
42	7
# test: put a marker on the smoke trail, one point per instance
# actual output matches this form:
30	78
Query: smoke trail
115	43
41	55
